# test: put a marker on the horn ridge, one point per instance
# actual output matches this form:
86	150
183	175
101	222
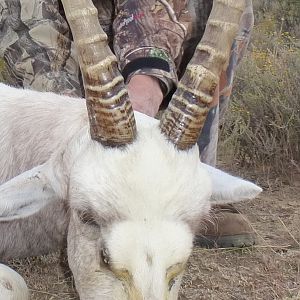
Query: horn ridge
184	119
110	112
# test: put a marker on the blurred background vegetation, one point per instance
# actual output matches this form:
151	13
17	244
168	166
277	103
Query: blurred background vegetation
262	126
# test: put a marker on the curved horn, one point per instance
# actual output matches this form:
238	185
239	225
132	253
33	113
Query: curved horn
182	122
110	113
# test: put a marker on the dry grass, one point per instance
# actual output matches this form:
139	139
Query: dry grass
262	126
263	123
270	270
48	277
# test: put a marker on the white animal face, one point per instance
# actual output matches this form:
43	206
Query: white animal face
149	256
129	259
133	208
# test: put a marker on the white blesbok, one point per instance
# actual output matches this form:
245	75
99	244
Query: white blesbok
126	190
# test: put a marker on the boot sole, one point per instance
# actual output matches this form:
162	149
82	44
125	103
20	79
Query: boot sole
229	241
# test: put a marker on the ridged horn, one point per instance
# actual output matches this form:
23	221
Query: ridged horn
183	120
110	112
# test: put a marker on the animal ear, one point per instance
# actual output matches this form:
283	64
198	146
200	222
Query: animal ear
29	192
230	189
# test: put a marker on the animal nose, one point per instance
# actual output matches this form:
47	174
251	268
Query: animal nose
152	296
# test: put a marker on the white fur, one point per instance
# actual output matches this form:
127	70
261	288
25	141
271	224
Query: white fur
12	285
143	198
147	249
230	189
143	180
31	193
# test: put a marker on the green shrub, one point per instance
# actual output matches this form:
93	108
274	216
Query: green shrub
286	13
263	123
262	126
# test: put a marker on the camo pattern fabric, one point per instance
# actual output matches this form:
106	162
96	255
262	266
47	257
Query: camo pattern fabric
36	45
151	28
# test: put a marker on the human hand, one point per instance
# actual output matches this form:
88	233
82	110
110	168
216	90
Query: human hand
145	94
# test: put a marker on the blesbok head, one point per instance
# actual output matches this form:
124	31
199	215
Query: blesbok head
134	186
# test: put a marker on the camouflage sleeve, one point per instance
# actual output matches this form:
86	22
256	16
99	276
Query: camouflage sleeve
35	44
148	38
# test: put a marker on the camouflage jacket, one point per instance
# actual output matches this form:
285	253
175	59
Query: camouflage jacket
148	37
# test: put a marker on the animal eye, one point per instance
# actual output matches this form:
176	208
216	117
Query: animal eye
87	218
171	283
105	256
172	274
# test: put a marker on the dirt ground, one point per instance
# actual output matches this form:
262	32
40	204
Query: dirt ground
269	270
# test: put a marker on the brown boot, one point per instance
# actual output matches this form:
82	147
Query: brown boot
226	228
